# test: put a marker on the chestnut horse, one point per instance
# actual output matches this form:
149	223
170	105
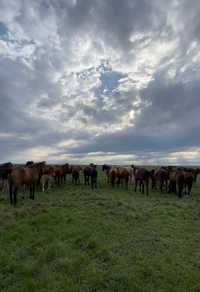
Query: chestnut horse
118	175
20	176
76	174
106	168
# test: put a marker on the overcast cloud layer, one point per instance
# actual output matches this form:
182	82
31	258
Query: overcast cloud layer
100	80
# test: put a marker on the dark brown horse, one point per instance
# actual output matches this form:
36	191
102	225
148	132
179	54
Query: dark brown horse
188	180
76	174
66	170
20	176
162	177
93	176
87	175
142	176
90	175
172	182
5	170
153	179
180	181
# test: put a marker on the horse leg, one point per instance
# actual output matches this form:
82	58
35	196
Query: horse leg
43	188
15	195
185	188
118	181
33	188
147	187
136	182
127	180
166	186
180	190
161	185
31	196
11	192
189	188
143	187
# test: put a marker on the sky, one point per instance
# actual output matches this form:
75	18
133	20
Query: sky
104	81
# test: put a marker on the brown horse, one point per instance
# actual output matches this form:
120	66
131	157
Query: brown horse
21	176
118	175
106	168
66	170
152	177
172	182
162	176
93	176
58	174
188	180
180	181
76	174
90	175
142	176
87	174
123	176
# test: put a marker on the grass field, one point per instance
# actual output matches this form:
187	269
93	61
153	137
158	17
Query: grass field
76	239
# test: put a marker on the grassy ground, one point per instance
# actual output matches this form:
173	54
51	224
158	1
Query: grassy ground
75	239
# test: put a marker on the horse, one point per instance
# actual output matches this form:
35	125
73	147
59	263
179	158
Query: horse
142	176
188	180
5	170
195	171
41	166
66	170
112	175
180	181
87	175
130	169
153	179
106	168
58	174
123	176
76	174
118	175
93	176
46	182
172	182
162	176
20	176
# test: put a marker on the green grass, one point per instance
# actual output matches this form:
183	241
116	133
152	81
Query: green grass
76	239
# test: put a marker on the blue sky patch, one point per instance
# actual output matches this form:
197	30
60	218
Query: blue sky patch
3	29
109	81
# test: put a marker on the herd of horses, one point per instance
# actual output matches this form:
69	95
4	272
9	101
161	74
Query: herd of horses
41	175
169	179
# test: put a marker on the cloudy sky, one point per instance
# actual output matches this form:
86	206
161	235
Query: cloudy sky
100	80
